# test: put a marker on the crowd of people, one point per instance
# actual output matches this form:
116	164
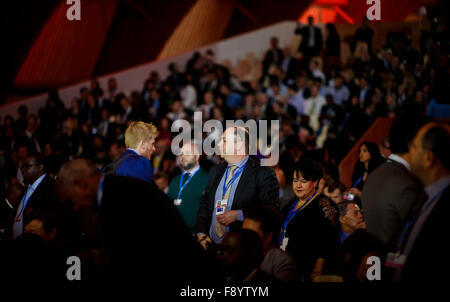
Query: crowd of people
98	180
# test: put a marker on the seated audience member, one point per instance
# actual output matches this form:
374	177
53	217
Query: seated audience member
40	194
336	191
241	254
313	107
355	251
370	158
135	162
350	217
128	236
286	192
430	161
267	222
186	190
162	181
391	191
310	232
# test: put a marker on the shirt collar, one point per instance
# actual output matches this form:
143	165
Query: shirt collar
193	170
131	149
437	187
398	159
37	182
241	163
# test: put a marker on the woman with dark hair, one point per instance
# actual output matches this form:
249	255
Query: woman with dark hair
310	226
370	158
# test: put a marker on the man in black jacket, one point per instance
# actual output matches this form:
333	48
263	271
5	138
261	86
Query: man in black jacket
312	42
234	186
39	196
141	231
423	247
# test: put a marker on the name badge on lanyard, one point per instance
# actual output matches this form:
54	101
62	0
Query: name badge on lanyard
221	206
284	243
178	201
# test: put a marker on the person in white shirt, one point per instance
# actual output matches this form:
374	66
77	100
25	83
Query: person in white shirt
313	106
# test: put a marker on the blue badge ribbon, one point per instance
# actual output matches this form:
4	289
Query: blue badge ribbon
226	186
185	184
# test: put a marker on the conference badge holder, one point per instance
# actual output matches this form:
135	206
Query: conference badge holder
221	206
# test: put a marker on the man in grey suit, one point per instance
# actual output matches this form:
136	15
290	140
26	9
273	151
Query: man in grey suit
391	190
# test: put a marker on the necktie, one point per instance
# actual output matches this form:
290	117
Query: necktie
313	107
186	177
220	228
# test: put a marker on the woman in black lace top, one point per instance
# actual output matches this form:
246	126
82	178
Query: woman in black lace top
311	228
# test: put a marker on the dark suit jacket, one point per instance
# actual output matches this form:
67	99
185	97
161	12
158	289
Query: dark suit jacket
318	42
135	166
147	237
427	259
389	193
43	200
257	185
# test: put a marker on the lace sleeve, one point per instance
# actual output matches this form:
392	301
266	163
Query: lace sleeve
329	210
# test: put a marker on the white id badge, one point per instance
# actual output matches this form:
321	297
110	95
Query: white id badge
394	260
221	206
284	243
177	202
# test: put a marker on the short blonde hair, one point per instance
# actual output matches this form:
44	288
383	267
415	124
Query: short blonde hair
139	131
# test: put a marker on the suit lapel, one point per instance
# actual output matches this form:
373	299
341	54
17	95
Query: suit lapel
220	172
243	181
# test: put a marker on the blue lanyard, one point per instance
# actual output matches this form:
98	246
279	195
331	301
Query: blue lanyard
231	181
100	190
410	222
26	198
292	214
358	181
184	185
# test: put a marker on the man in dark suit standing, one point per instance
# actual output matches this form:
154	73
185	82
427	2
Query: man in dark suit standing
421	247
142	232
311	44
234	186
391	190
39	196
135	162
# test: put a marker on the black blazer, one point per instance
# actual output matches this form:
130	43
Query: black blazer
318	41
43	200
258	185
426	261
146	237
313	233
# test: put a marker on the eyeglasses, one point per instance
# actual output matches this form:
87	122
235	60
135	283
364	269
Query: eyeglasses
27	166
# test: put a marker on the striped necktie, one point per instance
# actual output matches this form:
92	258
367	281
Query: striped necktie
220	228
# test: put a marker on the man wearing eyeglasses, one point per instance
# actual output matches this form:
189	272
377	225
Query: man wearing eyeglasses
39	195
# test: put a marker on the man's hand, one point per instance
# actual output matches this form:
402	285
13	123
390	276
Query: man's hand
228	217
203	240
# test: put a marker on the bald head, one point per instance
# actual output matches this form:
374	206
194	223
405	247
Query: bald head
78	181
429	152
